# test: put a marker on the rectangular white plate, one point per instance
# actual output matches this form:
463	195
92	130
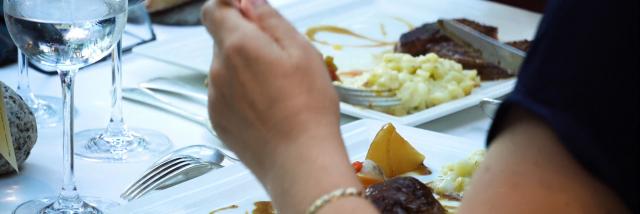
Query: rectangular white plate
236	185
191	48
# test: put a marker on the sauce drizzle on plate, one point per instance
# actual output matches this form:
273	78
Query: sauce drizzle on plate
312	33
224	208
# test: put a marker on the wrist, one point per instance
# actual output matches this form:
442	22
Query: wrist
303	171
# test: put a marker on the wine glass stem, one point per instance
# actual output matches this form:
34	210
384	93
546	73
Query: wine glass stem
116	126
68	195
24	89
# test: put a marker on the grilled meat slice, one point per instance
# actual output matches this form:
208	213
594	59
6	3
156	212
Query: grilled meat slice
415	41
488	30
402	195
469	58
523	45
429	39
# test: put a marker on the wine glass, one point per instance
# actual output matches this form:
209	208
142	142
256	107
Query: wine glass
117	142
65	35
46	109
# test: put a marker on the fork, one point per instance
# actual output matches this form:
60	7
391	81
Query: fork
161	173
367	97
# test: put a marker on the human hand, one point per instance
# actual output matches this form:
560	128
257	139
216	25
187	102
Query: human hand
269	89
271	101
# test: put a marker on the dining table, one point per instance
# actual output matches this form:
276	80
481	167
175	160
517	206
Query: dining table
41	174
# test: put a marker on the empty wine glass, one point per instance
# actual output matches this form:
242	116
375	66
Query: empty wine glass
65	35
46	109
117	142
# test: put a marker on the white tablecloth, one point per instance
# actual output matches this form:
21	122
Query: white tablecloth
41	175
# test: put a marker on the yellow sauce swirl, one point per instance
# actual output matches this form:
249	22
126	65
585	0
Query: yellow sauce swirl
312	34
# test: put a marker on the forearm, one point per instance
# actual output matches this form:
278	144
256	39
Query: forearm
306	170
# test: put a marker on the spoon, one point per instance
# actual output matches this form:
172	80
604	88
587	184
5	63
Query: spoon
213	157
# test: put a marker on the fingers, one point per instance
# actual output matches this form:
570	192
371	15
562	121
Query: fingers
271	22
223	20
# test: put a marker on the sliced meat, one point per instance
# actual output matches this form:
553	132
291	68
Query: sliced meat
429	39
469	58
415	41
523	45
488	30
402	195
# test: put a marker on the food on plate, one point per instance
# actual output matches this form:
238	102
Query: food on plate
263	207
370	42
455	177
421	81
230	207
403	195
312	33
488	30
394	155
368	172
428	38
389	156
523	45
331	67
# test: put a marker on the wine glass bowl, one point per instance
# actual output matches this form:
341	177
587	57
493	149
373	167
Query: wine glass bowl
65	35
63	40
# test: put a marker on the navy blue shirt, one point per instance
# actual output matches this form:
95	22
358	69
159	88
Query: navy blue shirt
581	78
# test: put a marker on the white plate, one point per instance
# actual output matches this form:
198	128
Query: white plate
235	185
365	17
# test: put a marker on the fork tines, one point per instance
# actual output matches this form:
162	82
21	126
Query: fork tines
365	97
155	175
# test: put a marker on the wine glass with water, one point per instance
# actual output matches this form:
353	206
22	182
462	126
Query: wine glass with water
118	142
65	35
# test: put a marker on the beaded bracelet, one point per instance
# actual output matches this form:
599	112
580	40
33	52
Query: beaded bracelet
333	196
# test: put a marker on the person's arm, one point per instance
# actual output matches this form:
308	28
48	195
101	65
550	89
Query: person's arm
527	170
271	101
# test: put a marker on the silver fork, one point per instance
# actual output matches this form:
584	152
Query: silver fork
366	97
161	173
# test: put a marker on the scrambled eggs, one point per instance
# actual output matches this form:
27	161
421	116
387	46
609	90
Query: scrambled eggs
421	82
455	177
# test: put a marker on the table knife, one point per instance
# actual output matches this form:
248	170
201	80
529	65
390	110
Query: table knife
492	50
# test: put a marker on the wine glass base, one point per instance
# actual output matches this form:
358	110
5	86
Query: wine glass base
48	111
135	145
91	205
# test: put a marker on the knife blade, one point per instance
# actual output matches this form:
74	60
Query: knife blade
492	50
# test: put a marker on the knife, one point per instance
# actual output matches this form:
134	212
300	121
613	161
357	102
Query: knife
148	97
492	50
